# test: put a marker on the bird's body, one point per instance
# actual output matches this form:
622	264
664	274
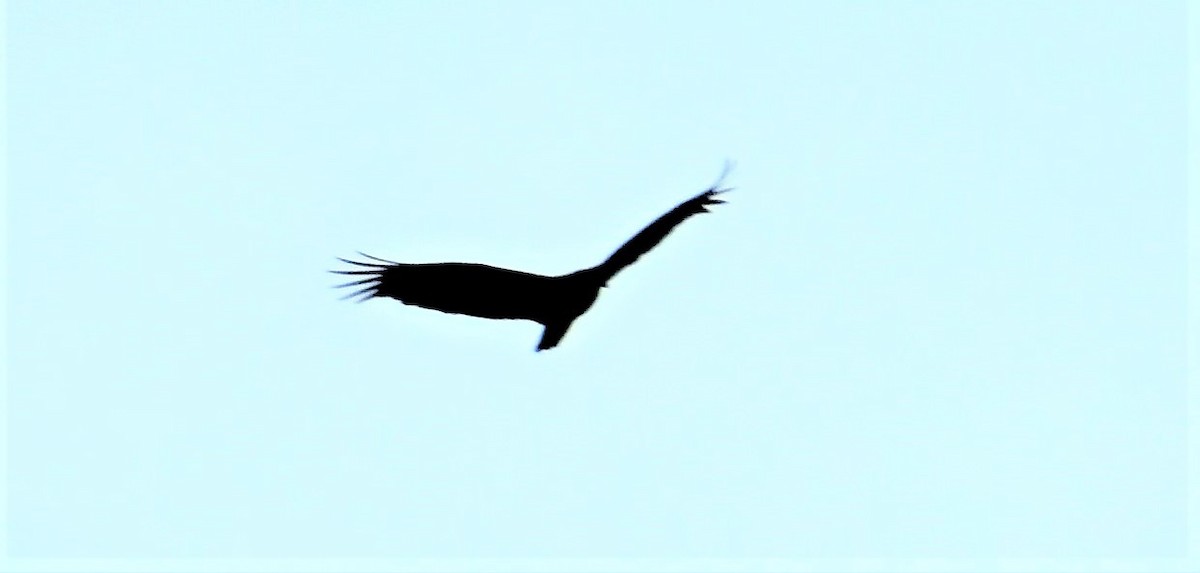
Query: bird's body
491	292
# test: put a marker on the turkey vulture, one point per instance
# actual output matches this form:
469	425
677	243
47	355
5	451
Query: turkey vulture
490	292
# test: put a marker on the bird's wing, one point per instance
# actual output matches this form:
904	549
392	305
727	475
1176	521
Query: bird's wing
655	232
457	288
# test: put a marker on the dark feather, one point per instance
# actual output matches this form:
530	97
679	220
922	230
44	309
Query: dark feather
655	232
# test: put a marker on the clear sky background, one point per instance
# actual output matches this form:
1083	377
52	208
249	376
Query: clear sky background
943	314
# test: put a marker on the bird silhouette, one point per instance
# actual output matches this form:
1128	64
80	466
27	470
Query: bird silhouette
491	292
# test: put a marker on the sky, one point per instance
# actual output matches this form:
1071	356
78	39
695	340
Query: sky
943	314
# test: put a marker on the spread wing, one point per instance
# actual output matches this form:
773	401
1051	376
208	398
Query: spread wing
655	232
458	288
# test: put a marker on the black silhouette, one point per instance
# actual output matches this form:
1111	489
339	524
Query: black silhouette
491	292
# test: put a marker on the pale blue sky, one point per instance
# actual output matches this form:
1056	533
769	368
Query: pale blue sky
941	316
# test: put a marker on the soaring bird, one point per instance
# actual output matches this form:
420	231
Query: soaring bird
491	292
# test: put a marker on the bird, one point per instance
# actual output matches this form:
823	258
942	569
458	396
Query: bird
485	291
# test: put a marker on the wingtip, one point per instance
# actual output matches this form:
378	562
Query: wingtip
377	258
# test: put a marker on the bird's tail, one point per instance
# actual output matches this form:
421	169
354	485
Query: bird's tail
553	334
